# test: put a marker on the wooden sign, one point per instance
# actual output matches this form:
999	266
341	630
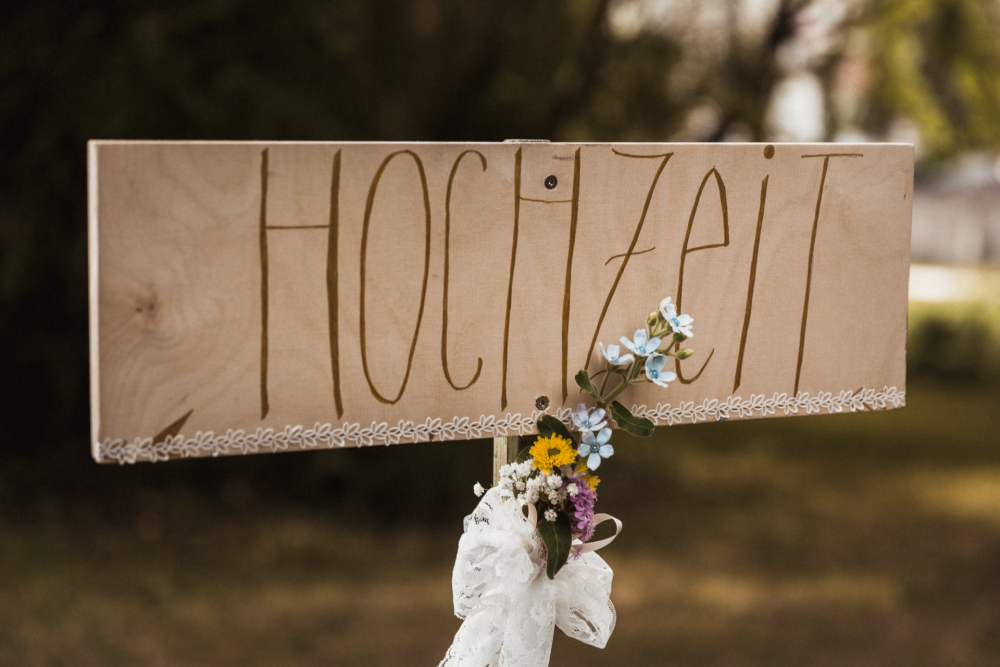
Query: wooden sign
250	297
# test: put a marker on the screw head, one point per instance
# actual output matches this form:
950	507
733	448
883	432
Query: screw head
542	402
551	181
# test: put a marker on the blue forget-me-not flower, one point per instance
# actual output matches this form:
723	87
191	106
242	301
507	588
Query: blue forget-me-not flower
679	323
643	345
654	370
589	421
594	448
612	355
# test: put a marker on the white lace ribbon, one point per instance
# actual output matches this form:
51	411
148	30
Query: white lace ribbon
509	606
600	544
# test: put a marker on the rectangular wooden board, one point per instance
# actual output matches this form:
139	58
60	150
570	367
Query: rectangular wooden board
250	297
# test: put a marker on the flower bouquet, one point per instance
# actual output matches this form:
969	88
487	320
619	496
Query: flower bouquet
540	516
555	477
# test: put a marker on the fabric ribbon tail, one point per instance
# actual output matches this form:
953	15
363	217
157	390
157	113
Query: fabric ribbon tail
584	610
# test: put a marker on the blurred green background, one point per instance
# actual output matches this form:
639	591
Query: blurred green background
868	539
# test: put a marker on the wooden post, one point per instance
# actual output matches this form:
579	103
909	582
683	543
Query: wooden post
504	451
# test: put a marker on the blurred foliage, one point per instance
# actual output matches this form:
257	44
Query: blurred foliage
955	343
379	70
938	64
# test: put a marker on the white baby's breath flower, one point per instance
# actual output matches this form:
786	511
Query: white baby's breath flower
531	495
573	489
554	481
556	497
506	470
550	515
478	489
520	485
506	483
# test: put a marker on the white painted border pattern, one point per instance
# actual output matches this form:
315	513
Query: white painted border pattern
327	436
734	406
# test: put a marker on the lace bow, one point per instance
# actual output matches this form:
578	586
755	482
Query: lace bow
510	608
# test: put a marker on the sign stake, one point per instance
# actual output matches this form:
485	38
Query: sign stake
504	451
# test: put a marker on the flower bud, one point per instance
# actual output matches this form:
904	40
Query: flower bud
653	318
684	354
679	338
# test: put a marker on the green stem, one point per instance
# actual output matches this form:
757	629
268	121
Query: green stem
635	370
617	390
627	379
607	377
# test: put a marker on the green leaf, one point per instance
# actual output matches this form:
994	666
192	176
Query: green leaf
583	379
549	426
557	537
523	455
637	426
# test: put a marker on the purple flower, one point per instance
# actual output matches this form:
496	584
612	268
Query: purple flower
581	512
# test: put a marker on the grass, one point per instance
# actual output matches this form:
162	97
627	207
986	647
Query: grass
867	539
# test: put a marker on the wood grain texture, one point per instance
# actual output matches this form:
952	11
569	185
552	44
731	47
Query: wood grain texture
505	450
227	278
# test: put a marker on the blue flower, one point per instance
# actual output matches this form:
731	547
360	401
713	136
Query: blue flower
597	448
611	354
654	370
679	323
591	421
641	346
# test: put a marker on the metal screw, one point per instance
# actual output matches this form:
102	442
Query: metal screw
551	181
542	402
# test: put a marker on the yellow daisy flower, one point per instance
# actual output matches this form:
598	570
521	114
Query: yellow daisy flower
552	452
591	480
